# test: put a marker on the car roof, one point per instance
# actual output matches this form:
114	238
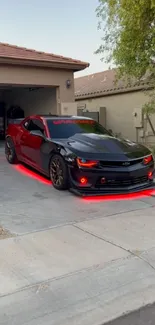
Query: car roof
70	117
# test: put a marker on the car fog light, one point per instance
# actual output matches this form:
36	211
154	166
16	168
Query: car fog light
83	180
150	175
103	180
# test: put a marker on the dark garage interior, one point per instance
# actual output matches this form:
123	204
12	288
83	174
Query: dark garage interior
19	102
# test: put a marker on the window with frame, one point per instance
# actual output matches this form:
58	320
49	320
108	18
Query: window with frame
36	125
26	124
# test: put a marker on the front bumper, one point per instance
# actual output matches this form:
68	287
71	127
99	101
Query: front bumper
117	180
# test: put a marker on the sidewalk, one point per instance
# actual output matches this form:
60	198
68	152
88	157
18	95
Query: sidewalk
84	274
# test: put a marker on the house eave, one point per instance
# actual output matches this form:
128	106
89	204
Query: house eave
45	64
112	92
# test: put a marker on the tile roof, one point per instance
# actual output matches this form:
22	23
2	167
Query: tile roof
102	84
22	53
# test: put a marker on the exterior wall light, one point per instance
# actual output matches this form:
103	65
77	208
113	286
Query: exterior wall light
68	83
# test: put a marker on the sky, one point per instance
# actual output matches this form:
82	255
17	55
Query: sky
64	27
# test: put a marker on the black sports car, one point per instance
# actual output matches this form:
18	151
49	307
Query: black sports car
78	153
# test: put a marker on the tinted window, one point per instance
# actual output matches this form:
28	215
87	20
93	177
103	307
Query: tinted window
34	125
67	128
26	124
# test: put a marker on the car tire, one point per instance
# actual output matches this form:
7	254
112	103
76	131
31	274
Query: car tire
10	152
59	173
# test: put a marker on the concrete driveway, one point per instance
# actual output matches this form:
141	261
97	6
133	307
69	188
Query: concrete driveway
68	259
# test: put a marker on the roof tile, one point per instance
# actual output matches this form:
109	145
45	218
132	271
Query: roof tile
101	83
22	53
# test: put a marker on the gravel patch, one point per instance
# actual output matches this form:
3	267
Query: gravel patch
4	233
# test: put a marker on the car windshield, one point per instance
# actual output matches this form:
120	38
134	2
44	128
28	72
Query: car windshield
65	128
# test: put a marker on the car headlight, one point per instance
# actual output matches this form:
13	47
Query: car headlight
86	163
147	159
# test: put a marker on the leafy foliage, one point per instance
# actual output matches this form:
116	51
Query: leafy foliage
129	34
129	38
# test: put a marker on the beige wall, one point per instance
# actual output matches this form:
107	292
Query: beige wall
119	111
40	101
69	108
15	75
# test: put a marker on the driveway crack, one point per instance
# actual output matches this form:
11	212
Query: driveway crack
133	253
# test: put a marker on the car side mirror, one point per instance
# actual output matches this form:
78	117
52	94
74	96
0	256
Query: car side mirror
37	133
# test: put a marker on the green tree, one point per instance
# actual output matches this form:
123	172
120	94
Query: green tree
129	39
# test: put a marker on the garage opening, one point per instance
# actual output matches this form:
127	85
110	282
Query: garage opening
19	102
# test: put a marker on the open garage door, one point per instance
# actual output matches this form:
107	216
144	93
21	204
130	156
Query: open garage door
19	102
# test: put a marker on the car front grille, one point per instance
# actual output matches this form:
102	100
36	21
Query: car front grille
120	163
122	182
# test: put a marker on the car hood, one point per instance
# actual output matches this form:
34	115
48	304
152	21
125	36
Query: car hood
90	145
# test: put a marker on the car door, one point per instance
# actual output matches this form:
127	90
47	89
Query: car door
25	141
28	142
36	143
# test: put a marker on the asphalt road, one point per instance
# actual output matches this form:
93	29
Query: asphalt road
70	260
143	316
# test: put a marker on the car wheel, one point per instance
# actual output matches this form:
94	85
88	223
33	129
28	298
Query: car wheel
10	152
59	173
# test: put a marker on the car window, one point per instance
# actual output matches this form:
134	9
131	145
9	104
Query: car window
35	125
65	128
38	125
26	124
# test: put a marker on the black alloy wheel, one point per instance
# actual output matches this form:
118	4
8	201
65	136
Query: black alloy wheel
10	152
59	172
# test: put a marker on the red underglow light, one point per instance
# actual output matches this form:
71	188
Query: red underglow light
29	173
121	197
83	180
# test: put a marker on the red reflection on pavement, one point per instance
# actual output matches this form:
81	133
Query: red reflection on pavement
128	196
27	172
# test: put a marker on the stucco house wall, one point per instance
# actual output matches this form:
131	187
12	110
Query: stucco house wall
122	104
